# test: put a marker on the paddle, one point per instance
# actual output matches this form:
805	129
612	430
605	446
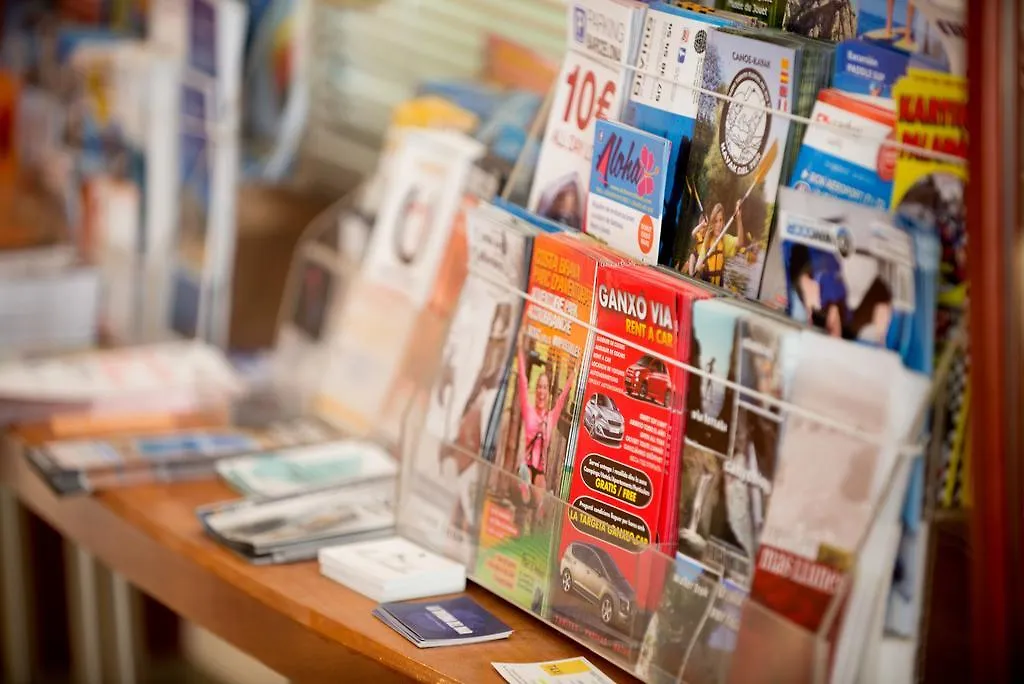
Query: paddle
762	170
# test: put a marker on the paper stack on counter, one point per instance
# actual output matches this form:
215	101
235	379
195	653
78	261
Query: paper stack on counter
291	471
295	528
392	569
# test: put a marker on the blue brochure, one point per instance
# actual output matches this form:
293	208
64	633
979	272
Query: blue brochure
628	180
852	272
446	622
866	68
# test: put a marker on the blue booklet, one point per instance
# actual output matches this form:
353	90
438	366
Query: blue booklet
447	622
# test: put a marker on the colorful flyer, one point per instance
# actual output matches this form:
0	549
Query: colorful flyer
664	97
735	166
627	189
843	156
533	439
622	464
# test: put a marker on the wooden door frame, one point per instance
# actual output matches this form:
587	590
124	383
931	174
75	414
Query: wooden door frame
994	263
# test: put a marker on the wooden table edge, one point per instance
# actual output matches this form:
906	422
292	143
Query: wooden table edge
101	526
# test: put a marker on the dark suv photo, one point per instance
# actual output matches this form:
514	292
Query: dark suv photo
593	574
648	378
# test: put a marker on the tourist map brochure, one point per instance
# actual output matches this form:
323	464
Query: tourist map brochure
87	465
257	527
318	466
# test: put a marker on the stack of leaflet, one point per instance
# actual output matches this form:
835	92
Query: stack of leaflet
321	466
392	569
452	622
188	452
161	378
295	528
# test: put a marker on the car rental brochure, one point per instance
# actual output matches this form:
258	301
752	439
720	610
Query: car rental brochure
736	162
443	487
626	454
446	622
602	37
283	472
392	569
627	189
542	404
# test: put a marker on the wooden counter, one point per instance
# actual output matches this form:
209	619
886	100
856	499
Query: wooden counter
304	626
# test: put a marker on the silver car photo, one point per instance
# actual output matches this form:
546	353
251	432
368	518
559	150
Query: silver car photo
602	419
591	572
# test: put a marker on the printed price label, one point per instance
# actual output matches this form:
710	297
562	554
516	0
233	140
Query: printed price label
585	100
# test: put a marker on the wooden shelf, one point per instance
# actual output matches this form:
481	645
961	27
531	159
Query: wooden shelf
291	618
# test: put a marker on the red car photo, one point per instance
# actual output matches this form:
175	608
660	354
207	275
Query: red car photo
648	378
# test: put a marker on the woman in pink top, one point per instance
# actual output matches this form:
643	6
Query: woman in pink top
539	419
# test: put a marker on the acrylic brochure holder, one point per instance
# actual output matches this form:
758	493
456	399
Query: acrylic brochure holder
680	625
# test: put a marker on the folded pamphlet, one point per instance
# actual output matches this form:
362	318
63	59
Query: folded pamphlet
303	468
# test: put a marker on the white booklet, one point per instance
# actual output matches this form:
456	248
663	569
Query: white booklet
392	569
290	471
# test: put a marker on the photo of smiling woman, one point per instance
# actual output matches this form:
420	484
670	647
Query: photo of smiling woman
539	419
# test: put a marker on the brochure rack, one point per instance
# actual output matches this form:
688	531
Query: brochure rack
698	632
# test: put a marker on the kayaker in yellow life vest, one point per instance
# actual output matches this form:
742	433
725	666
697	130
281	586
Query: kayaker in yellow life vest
704	235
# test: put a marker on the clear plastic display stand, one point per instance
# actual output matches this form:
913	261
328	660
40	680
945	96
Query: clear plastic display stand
675	629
